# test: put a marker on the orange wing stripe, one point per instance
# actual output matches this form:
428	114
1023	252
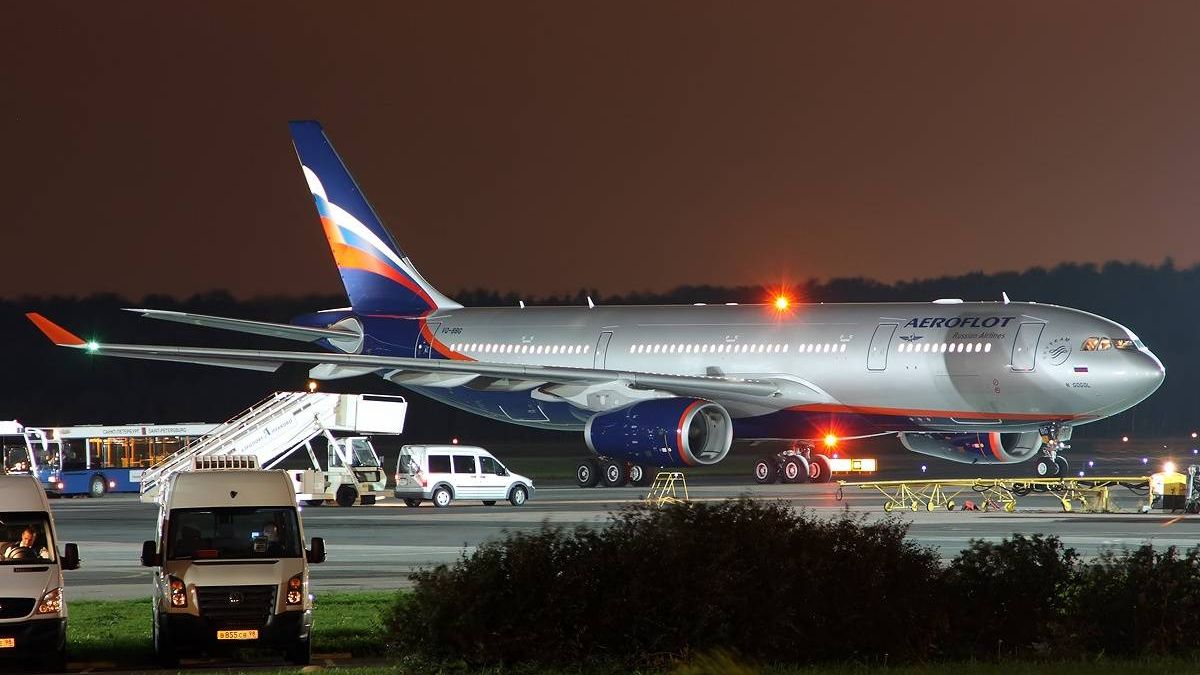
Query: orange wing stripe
57	334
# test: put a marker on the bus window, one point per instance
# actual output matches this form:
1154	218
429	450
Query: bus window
73	454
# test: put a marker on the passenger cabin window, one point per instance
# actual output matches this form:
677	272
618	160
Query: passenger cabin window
464	464
439	464
487	465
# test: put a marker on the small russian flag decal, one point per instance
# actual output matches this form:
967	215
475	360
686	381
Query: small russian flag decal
1081	369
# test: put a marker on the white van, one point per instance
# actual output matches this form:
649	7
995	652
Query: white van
443	473
231	567
33	609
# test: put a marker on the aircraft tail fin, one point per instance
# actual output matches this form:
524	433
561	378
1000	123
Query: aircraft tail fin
378	275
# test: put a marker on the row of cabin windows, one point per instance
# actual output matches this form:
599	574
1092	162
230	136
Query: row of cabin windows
944	347
1099	344
722	348
495	348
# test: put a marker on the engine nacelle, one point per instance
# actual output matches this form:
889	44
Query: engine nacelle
980	448
662	432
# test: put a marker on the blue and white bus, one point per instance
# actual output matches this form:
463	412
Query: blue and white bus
93	459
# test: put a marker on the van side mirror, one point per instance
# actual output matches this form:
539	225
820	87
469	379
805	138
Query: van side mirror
501	471
150	557
317	553
70	559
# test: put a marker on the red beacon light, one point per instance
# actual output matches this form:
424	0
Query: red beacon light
831	440
782	302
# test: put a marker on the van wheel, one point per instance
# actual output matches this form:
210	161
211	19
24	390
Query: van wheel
367	500
442	497
412	502
300	652
346	496
518	496
489	502
164	652
315	502
96	487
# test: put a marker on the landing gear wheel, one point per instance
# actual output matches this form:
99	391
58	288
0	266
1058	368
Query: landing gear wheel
614	474
1046	467
346	496
442	497
1064	467
819	470
587	474
300	652
645	478
518	496
764	471
414	503
794	471
96	487
314	502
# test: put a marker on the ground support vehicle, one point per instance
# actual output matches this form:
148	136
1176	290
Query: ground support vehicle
443	473
1090	494
230	567
284	422
33	607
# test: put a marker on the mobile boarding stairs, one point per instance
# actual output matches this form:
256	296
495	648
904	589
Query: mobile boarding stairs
274	428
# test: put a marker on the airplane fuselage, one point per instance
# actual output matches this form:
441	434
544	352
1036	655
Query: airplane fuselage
944	367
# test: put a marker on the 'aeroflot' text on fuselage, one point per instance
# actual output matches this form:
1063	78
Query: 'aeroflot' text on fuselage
959	322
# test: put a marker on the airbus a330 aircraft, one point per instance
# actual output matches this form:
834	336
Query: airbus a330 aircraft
987	382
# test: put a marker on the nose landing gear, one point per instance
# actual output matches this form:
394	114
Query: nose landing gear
1054	441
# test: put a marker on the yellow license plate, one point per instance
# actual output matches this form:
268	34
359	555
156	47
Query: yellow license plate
8	643
237	634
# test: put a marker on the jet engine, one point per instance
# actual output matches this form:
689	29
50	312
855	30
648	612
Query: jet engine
662	432
979	448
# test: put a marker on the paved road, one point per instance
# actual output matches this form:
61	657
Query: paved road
376	547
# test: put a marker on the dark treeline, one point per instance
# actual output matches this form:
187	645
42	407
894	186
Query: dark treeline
49	386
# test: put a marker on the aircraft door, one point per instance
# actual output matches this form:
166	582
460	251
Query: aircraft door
422	349
881	343
601	350
1025	346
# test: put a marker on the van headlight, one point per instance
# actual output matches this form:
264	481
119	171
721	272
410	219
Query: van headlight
295	590
178	592
51	602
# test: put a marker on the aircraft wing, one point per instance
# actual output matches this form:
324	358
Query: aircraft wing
279	330
784	389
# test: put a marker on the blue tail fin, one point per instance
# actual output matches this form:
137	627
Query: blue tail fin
378	276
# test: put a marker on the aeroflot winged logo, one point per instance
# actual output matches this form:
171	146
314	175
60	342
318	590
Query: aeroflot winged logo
960	322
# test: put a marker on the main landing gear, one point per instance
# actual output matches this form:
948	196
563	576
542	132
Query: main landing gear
1054	440
797	464
613	473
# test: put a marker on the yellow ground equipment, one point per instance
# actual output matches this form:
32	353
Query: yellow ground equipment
1091	493
839	465
1169	490
666	487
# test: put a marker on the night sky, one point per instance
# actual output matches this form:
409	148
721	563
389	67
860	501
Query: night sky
545	147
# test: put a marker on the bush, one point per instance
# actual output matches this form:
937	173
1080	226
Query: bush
1138	603
755	579
1009	597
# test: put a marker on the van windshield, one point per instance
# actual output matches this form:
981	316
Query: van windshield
233	533
25	538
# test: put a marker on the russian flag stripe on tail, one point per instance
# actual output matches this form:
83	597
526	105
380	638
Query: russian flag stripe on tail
378	276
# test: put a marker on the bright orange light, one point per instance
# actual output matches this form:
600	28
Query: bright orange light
781	302
830	440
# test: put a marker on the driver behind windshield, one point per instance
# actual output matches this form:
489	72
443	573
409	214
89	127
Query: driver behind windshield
29	547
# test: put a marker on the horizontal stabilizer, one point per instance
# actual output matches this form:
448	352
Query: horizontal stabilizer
279	330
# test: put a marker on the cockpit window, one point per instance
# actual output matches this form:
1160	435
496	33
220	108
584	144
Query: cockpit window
1100	344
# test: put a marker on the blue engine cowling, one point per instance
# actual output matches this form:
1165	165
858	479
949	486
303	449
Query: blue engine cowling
978	448
662	432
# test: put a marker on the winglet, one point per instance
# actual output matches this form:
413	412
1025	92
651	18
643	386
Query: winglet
57	334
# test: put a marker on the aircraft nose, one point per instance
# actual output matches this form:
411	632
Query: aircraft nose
1151	372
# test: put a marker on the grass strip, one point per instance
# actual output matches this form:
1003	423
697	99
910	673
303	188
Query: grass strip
118	631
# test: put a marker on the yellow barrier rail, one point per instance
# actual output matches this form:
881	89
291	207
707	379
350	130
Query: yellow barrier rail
1090	493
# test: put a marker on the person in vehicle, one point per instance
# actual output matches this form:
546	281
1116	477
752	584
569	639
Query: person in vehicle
28	547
